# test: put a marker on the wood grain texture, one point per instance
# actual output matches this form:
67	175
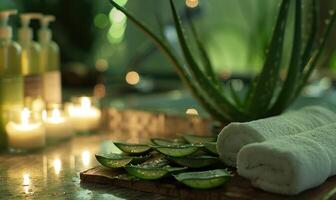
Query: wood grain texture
237	188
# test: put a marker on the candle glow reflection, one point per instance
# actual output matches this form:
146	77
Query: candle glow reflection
26	179
26	183
86	158
57	163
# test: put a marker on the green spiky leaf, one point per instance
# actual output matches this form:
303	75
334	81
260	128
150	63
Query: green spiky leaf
317	52
213	92
289	87
265	87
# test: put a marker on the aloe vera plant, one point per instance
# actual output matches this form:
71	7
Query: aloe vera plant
268	95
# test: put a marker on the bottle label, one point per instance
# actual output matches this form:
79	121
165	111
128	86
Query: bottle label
52	92
11	92
33	86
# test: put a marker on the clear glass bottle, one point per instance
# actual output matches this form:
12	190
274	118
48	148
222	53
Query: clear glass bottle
49	63
11	81
30	57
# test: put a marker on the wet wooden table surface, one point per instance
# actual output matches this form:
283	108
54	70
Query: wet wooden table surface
53	173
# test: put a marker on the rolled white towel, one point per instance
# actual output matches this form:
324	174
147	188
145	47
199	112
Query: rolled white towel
236	135
290	164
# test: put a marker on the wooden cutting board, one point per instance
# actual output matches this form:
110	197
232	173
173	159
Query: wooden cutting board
237	187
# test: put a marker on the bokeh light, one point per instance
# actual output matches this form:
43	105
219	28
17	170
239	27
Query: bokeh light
132	78
117	17
191	111
101	65
99	90
192	3
101	20
118	20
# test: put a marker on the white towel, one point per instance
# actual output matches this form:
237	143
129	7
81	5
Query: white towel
236	135
290	164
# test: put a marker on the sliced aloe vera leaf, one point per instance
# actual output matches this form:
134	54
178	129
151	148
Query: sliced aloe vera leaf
166	142
140	159
113	160
155	162
205	179
177	151
198	139
210	147
195	161
150	172
133	148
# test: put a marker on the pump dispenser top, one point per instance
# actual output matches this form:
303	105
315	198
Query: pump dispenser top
45	32
6	30
25	32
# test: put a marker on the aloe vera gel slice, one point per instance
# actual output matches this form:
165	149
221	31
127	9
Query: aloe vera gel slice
140	159
113	160
133	148
177	151
151	173
195	161
205	179
197	139
211	147
119	160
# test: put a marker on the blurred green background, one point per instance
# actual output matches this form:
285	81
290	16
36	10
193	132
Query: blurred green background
99	45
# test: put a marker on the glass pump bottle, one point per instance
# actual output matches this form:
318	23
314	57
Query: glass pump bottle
11	81
49	63
33	85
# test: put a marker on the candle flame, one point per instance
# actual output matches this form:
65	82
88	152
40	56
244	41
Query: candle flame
25	116
56	114
44	115
85	102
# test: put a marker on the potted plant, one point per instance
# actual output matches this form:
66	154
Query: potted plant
267	95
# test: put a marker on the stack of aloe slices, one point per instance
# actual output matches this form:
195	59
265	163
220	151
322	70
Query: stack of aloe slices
191	160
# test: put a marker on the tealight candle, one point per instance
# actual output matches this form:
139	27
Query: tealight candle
25	135
56	125
84	117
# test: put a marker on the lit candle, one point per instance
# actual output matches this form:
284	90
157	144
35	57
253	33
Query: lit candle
84	117
57	127
25	135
